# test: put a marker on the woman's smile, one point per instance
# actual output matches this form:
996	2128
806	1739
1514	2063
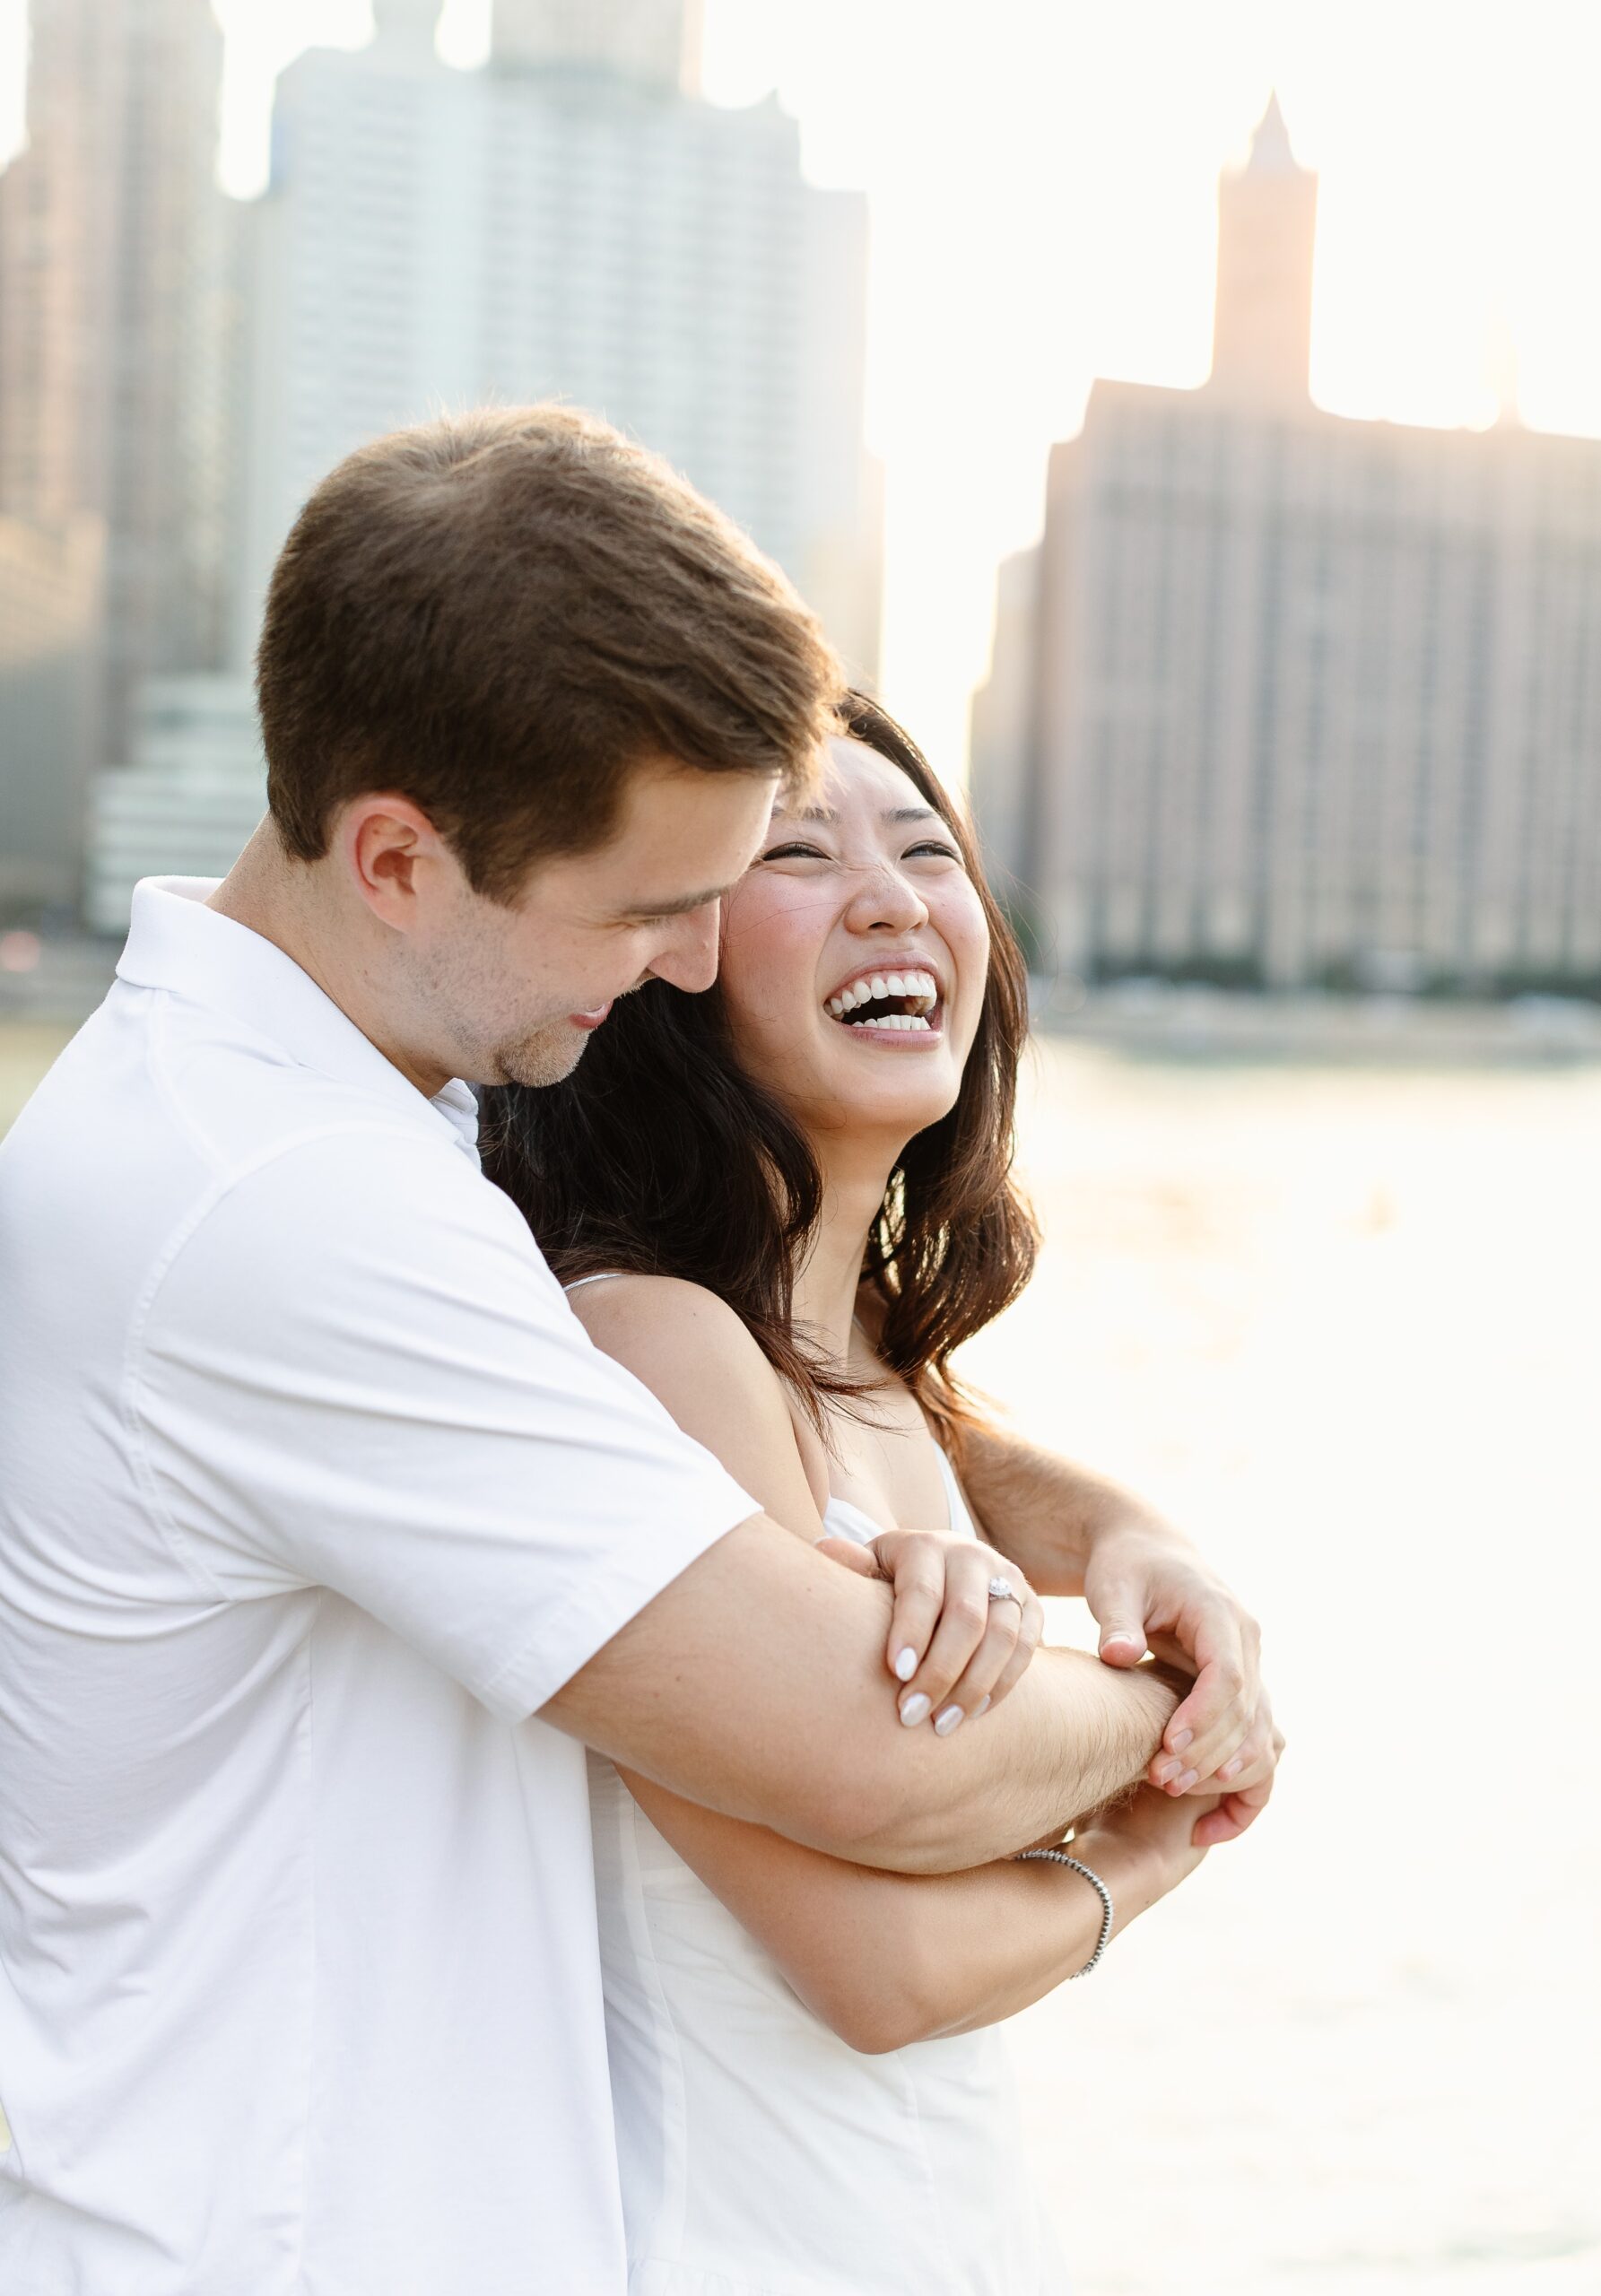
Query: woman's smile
896	1001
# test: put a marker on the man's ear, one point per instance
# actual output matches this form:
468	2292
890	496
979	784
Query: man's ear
393	854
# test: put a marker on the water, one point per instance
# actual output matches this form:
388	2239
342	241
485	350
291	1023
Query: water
1342	1324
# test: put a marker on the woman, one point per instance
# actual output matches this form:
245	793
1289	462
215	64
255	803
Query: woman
783	1205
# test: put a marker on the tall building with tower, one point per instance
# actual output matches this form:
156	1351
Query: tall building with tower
1267	226
574	219
1286	699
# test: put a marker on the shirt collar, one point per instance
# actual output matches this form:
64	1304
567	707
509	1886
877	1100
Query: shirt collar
176	943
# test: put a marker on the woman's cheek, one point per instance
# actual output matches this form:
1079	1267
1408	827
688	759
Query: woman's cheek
970	949
779	956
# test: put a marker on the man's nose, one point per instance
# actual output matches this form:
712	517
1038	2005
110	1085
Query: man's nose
689	958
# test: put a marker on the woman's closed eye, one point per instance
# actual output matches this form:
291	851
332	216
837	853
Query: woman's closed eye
926	849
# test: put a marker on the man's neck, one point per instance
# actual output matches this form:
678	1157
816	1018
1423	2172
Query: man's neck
282	900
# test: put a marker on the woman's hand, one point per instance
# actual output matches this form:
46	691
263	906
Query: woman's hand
1149	1590
955	1652
1148	1837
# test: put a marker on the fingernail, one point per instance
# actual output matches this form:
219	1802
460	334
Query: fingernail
906	1665
1188	1780
915	1709
1134	1641
951	1720
1168	1771
1231	1769
982	1707
1185	1738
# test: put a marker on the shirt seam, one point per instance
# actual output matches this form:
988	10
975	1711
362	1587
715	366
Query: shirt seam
309	2108
176	1242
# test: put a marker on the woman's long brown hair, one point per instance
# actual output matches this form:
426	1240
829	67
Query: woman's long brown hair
660	1155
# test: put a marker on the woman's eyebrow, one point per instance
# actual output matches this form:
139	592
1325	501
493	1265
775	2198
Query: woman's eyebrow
890	813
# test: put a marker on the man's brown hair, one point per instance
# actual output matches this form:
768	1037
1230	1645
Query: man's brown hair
499	615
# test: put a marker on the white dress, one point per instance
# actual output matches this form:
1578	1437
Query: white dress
760	2155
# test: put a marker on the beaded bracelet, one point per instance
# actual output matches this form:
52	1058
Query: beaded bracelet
1060	1857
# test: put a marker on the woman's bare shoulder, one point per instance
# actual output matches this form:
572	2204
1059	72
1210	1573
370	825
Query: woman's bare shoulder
698	1356
629	1312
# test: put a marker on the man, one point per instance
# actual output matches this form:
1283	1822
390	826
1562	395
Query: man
315	1494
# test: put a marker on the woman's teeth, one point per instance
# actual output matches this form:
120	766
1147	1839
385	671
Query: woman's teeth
919	992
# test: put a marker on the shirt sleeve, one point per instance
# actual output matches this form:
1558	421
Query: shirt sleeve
356	1371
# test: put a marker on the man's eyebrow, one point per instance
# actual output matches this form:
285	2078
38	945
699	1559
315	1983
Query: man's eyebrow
683	905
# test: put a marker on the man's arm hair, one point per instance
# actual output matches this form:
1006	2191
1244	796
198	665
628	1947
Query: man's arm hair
1042	1510
755	1685
755	1682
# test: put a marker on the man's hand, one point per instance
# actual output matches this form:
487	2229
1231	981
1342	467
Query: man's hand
1148	1589
954	1651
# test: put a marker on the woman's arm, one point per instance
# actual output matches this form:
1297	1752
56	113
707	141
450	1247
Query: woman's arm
889	1958
746	1684
1075	1533
883	1958
948	1644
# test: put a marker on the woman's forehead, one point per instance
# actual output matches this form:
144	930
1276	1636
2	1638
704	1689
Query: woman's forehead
856	779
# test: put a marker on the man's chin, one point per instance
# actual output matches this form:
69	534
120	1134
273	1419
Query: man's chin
545	1059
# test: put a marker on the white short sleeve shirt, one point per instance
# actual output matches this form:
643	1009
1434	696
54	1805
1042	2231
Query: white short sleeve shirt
312	1492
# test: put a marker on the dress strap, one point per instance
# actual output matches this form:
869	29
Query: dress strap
606	1275
961	1513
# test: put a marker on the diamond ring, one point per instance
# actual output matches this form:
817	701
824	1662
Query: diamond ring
1002	1590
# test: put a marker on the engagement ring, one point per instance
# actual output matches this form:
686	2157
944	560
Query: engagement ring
1002	1590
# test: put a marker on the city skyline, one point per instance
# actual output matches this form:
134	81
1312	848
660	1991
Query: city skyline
431	237
1284	700
1457	179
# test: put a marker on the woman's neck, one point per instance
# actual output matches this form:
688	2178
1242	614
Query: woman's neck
855	1176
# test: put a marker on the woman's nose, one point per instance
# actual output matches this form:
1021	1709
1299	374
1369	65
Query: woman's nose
884	898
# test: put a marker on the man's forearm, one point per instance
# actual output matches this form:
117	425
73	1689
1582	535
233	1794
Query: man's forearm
1042	1510
1071	1735
755	1685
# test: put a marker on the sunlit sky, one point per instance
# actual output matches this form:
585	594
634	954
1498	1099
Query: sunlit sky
1043	177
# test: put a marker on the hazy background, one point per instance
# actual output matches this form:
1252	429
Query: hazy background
1313	1116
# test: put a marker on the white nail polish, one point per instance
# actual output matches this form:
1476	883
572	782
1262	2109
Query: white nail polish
906	1665
949	1720
915	1709
982	1707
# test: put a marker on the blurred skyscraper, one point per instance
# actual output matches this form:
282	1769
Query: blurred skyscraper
656	41
50	594
1290	700
115	301
573	220
186	801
